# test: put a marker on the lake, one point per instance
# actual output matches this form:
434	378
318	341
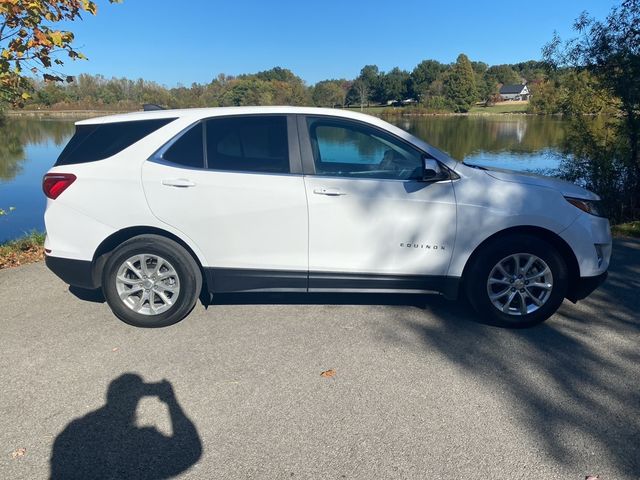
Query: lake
29	146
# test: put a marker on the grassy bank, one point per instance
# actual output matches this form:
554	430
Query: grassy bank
506	107
500	108
631	229
24	250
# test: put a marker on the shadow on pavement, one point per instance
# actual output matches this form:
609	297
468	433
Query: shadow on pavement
574	381
276	298
106	443
87	295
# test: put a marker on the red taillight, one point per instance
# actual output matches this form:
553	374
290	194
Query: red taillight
53	184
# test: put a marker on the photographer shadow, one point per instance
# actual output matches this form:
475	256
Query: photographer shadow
107	443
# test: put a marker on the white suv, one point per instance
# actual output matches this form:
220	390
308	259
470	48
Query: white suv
160	208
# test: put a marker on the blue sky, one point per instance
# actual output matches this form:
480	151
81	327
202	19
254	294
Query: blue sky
180	42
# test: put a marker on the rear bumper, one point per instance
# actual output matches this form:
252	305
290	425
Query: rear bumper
78	273
585	286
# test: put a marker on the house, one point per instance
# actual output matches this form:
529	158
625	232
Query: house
514	92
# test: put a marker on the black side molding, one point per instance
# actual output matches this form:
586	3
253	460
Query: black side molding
228	280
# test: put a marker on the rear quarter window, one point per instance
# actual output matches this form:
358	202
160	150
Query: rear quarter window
97	142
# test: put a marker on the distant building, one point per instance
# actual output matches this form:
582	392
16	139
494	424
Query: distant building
514	92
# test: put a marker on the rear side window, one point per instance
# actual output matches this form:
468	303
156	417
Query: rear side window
97	142
248	144
188	149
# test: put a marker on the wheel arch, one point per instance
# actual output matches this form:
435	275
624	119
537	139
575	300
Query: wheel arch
110	243
554	239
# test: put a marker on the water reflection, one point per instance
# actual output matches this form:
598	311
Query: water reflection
17	133
28	148
463	137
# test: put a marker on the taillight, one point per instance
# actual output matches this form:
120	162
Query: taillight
53	184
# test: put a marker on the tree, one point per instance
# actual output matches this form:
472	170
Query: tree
30	42
503	74
460	85
370	83
394	85
358	93
610	50
329	93
423	75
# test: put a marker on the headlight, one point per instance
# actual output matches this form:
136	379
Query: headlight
590	206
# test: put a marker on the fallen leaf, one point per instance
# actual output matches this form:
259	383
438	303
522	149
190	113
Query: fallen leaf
18	452
328	373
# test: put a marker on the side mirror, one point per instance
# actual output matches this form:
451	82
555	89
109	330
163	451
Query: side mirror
432	171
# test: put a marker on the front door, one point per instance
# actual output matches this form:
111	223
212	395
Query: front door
239	200
373	223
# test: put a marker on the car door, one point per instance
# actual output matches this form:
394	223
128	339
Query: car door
373	222
233	185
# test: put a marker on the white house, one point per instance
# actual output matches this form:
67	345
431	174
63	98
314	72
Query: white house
514	92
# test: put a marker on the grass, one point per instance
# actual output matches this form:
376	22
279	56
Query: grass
631	229
505	107
24	250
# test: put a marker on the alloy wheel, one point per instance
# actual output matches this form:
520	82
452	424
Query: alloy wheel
147	284
520	284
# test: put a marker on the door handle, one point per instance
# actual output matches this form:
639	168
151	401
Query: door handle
332	192
178	182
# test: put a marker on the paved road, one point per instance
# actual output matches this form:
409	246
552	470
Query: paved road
419	391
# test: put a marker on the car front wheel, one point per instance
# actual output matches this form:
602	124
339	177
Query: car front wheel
517	281
151	281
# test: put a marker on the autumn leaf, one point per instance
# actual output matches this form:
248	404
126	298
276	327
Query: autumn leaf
18	452
33	42
56	38
328	373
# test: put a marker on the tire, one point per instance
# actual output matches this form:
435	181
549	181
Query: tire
158	294
485	281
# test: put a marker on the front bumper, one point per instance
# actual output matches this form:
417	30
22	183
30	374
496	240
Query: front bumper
585	286
79	273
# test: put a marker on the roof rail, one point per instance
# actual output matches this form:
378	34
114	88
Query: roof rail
149	107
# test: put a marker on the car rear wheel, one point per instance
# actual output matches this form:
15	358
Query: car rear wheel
517	281
151	281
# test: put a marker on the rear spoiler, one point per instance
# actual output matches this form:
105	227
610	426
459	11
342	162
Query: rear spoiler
148	107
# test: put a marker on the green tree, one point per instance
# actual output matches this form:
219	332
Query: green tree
370	82
329	93
460	85
394	85
30	42
423	75
503	74
610	50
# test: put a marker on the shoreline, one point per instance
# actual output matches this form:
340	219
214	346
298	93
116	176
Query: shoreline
96	113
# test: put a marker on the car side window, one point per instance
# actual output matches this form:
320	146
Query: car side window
348	149
188	150
256	144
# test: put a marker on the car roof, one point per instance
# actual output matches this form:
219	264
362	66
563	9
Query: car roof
198	113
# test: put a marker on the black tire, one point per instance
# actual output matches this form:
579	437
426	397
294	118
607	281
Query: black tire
186	269
477	276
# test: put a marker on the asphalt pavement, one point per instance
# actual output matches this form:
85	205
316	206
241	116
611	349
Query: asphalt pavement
413	387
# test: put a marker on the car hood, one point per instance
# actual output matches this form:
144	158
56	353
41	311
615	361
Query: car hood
567	189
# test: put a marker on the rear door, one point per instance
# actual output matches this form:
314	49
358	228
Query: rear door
233	185
373	222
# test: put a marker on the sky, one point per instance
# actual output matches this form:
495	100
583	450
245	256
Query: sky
185	41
